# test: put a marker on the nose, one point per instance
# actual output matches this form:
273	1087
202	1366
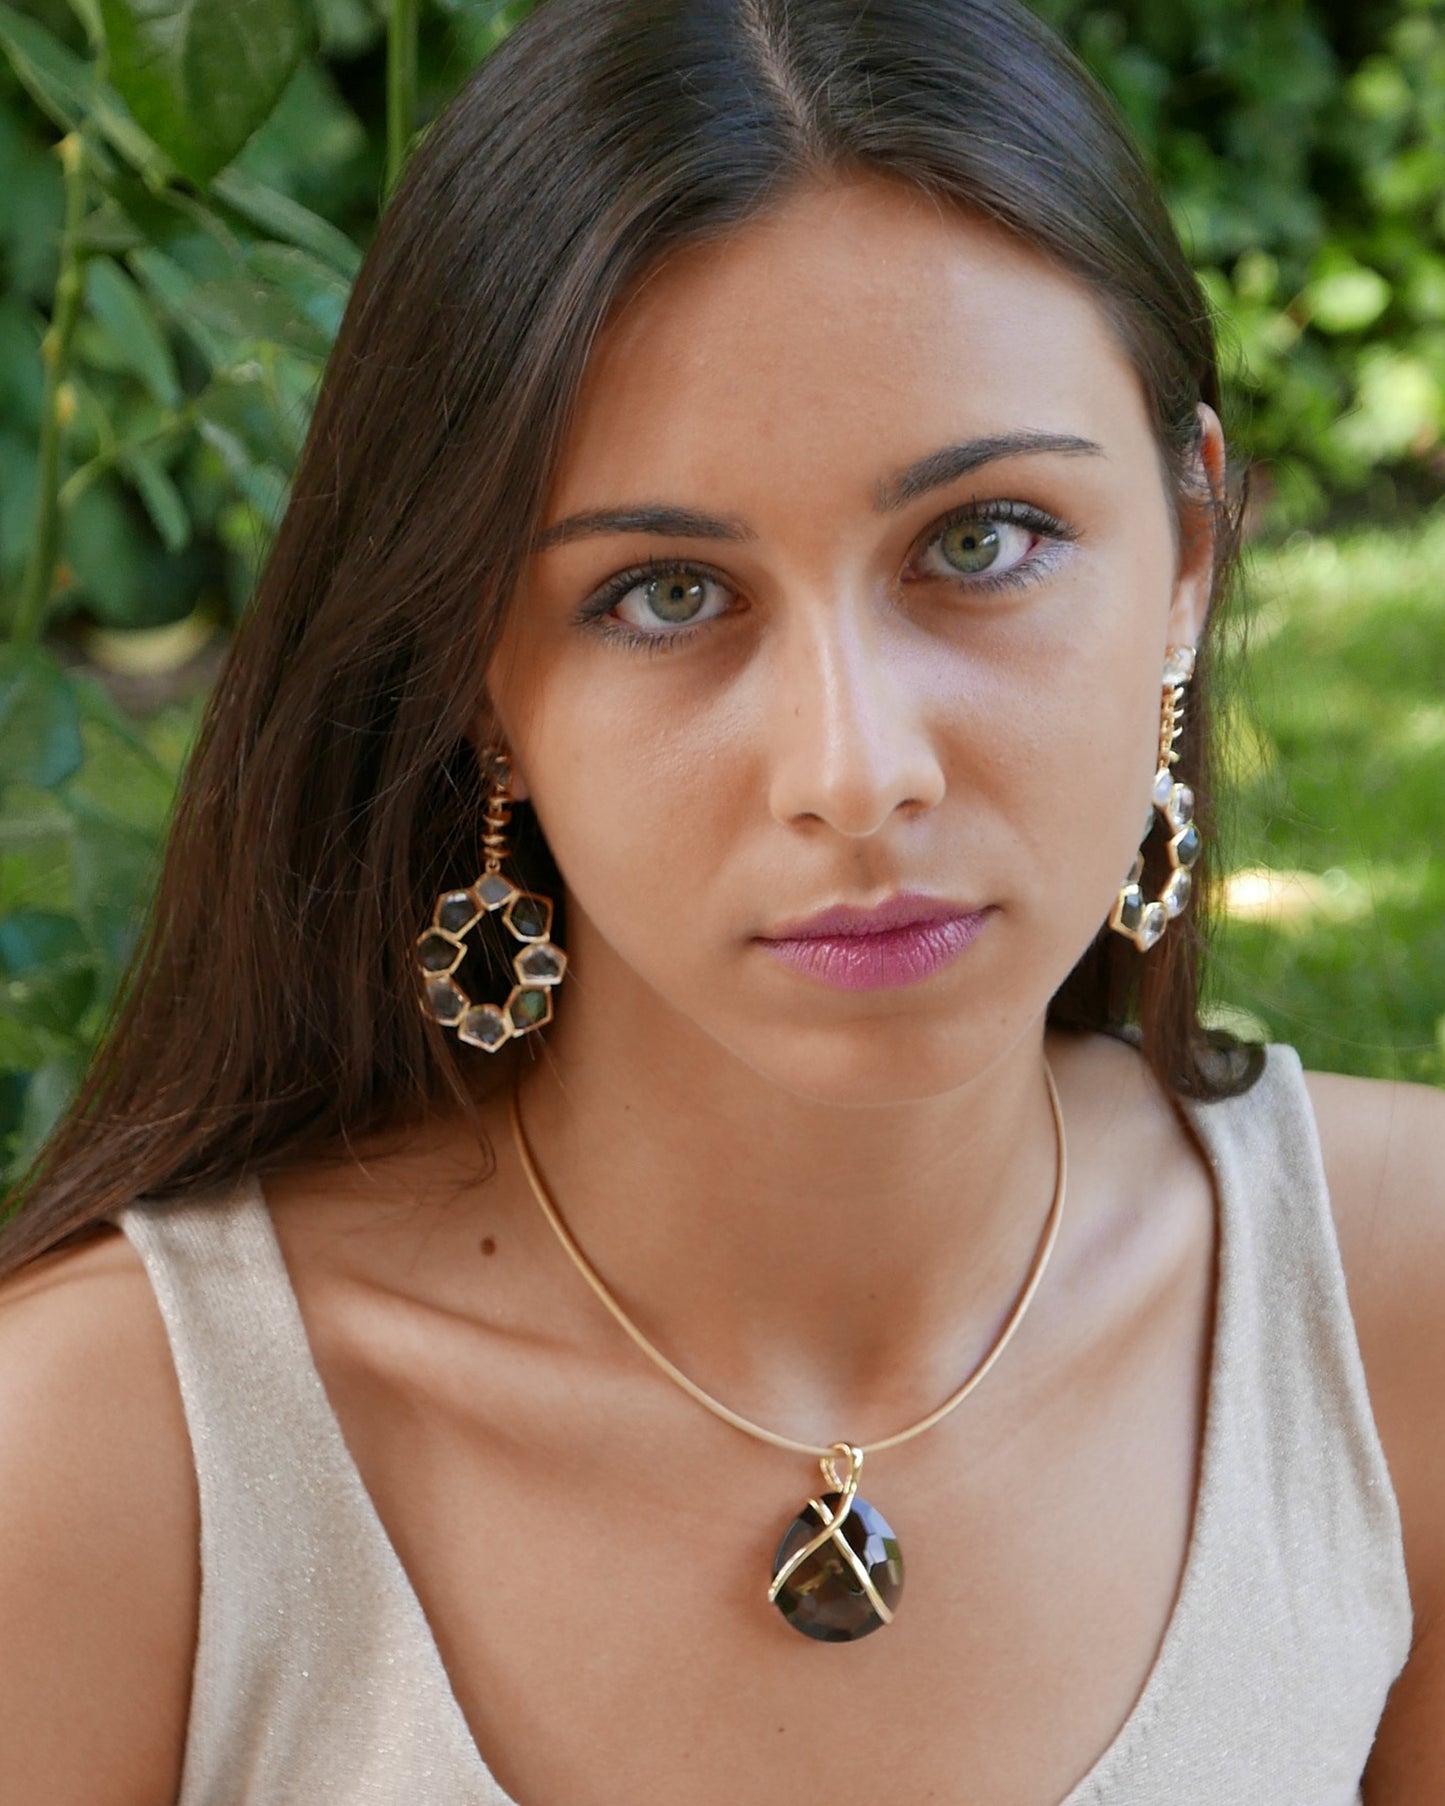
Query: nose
849	733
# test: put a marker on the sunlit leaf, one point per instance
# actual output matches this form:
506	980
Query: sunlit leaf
1347	300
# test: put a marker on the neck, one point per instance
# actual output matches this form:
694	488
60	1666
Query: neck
807	1263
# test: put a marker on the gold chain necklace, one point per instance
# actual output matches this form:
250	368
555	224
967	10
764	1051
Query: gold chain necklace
838	1571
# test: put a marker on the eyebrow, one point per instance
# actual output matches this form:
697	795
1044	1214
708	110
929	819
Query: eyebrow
938	468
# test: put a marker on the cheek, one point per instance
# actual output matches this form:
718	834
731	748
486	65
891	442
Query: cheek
627	791
1066	755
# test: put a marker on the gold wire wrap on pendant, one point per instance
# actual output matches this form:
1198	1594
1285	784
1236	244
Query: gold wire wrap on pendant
832	1530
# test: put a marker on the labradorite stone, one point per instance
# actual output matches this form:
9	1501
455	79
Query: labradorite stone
493	890
539	965
437	953
823	1598
445	1000
456	912
484	1026
529	1007
530	917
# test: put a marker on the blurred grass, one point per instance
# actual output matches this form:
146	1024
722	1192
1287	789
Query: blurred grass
1334	743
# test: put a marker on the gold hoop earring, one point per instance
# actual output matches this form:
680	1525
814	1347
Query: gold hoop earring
1140	919
440	950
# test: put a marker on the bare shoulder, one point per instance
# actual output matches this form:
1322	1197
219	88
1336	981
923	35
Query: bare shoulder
99	1530
1382	1146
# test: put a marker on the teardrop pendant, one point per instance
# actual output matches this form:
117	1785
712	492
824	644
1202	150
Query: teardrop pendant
838	1571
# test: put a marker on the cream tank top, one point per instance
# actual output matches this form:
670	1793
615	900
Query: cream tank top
318	1681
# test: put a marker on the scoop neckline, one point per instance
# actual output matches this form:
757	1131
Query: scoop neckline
1116	1752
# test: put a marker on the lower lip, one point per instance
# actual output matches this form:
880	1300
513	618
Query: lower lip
878	962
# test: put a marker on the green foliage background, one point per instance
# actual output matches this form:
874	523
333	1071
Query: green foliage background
186	187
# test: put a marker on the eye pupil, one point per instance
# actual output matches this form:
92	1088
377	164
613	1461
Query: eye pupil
972	545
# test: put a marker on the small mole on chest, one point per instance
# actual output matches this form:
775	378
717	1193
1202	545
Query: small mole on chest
489	1244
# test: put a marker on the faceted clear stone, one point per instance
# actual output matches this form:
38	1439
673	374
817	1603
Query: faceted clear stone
445	1000
1179	665
529	917
542	964
1180	807
529	1008
1163	787
1155	921
1129	911
438	952
492	890
1186	847
484	1026
823	1598
455	912
1175	895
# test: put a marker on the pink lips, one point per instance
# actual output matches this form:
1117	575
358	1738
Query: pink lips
902	941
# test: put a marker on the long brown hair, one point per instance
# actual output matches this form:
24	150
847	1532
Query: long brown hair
272	1010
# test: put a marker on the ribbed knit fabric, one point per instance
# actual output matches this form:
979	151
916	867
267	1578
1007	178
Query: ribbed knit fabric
318	1681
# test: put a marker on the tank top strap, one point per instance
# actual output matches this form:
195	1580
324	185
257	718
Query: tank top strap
1290	1360
316	1675
1293	1615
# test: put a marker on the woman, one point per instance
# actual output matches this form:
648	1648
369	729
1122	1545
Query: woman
767	503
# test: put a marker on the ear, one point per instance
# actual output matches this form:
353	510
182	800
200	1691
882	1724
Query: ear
1198	534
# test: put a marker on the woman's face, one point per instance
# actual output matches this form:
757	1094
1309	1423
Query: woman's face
916	573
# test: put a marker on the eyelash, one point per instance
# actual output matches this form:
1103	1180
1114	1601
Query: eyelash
593	612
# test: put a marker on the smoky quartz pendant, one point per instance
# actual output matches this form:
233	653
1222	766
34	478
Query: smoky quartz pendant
838	1571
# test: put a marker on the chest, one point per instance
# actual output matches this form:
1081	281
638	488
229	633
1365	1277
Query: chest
594	1563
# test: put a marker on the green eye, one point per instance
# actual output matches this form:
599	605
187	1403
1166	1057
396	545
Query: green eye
971	545
676	600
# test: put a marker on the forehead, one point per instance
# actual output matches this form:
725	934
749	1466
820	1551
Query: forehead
847	330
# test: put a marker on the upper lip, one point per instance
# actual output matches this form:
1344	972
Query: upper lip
907	910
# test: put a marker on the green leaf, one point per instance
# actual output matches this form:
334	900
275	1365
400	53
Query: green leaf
317	290
51	1087
32	939
277	213
59	81
259	310
126	314
201	75
108	229
17	503
115	868
39	722
65	87
172	286
163	500
181	226
88	12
